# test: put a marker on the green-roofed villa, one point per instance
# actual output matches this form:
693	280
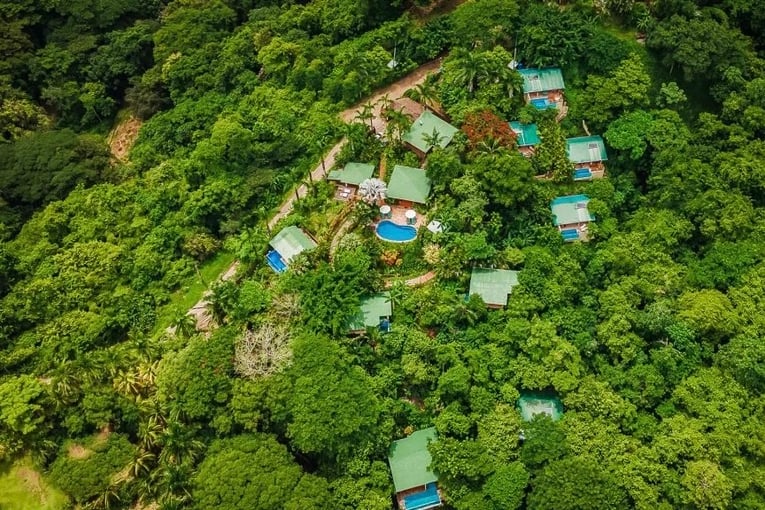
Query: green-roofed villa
419	135
543	88
493	285
374	312
409	461
588	154
349	177
288	243
526	137
408	185
571	216
532	404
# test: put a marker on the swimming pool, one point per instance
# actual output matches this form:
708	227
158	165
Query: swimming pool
275	261
428	498
395	233
581	174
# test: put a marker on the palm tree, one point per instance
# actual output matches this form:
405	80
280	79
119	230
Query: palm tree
489	146
398	124
471	69
433	139
141	464
179	445
373	191
644	23
366	113
398	292
424	93
150	431
385	102
354	134
65	386
320	144
185	325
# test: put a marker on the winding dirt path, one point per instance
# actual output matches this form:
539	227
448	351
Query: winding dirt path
413	282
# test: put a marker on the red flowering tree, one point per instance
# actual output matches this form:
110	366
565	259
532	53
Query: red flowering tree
484	126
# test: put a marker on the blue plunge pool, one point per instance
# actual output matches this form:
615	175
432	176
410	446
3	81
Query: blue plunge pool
426	499
542	103
275	261
570	234
395	233
581	174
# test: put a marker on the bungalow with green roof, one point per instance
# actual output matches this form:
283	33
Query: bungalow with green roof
526	137
571	216
543	88
408	185
587	153
375	312
413	479
493	285
349	177
287	244
420	135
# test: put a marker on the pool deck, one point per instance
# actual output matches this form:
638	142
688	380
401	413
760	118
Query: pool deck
398	216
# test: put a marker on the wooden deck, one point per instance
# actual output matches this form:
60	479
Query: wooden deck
527	151
345	192
398	215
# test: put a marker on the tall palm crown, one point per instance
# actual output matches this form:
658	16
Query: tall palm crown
373	191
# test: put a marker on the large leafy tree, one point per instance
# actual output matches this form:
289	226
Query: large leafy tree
624	90
255	472
332	408
46	166
576	482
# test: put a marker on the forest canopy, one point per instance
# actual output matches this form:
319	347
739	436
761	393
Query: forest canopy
146	145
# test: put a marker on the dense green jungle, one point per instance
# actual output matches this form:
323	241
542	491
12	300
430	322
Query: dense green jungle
151	358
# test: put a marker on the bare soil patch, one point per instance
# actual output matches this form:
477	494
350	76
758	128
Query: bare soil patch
78	452
103	435
123	136
32	481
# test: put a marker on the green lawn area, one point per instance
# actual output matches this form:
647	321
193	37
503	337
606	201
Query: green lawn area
189	293
22	487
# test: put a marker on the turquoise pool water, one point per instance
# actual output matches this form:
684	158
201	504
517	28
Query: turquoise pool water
582	173
276	262
395	233
428	498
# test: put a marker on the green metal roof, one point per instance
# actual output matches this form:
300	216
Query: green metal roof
542	80
423	127
586	149
372	309
493	285
571	209
532	404
290	241
525	134
352	173
409	460
408	183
